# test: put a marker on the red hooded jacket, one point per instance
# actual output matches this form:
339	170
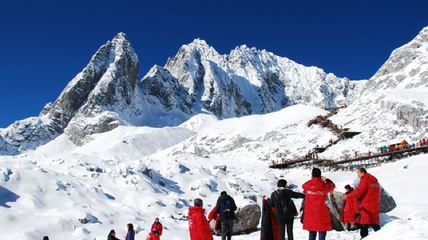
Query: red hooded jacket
316	213
156	227
369	192
350	208
199	228
216	217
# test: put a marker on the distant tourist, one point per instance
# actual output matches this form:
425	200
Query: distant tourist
226	207
285	210
156	230
199	229
112	235
130	235
316	216
368	190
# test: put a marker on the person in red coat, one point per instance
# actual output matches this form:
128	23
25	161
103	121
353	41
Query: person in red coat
350	209
213	215
316	216
199	228
368	190
156	230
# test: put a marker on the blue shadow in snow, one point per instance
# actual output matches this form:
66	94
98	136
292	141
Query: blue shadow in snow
7	196
385	218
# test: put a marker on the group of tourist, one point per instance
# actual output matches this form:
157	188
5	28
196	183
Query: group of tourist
361	208
223	213
155	232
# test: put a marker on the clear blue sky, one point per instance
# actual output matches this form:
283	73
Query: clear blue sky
44	44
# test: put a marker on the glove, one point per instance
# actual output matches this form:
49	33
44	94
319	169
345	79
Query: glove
357	215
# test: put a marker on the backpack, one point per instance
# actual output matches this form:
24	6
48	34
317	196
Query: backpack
226	208
286	208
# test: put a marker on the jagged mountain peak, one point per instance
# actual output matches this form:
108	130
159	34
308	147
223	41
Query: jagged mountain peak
407	66
108	83
248	80
245	49
404	55
123	46
197	48
198	42
156	70
120	36
116	96
116	52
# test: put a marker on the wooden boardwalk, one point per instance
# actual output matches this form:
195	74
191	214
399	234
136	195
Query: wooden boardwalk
352	163
376	159
369	159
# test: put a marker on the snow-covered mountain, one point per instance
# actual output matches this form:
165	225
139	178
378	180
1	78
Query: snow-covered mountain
108	156
393	104
250	81
107	93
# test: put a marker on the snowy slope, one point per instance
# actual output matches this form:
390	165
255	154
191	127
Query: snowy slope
270	136
393	104
134	174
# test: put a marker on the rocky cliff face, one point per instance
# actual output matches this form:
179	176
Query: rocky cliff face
116	96
249	81
96	100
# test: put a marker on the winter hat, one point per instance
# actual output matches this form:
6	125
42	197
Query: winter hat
281	183
316	172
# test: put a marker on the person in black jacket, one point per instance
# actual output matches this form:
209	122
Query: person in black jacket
112	235
285	210
226	207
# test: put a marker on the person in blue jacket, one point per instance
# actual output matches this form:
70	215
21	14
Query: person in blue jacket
130	235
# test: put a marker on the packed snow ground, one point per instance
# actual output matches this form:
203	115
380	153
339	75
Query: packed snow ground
134	174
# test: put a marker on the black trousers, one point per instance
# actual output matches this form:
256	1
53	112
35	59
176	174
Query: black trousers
364	232
226	229
289	226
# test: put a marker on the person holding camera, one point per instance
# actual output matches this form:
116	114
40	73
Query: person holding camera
156	230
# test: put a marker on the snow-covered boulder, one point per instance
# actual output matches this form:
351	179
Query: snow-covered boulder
387	202
335	204
247	219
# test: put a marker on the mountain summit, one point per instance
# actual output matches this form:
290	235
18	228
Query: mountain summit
108	92
104	89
